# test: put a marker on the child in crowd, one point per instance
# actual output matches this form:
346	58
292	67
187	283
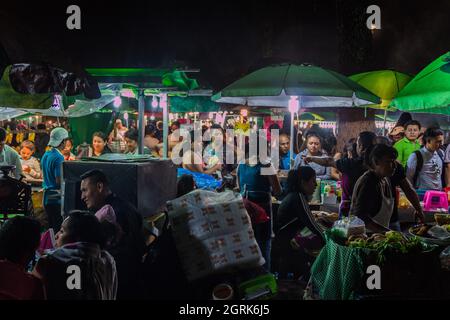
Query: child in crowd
30	165
406	146
67	152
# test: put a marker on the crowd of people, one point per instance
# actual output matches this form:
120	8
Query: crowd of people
115	244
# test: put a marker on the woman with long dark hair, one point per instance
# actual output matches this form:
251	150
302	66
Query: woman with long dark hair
99	144
294	216
313	148
351	168
373	197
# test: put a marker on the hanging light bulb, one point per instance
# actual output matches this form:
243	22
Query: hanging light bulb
56	102
293	104
163	101
154	102
117	101
152	118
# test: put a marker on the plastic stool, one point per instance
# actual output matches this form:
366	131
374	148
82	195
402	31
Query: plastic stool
435	200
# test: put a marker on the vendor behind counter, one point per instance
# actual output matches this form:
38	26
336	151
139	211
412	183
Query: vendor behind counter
373	199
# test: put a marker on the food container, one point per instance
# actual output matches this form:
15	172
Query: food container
442	218
426	238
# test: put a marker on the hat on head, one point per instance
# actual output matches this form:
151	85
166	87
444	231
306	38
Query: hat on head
57	136
397	130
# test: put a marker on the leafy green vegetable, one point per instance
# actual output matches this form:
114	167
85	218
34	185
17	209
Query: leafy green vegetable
394	243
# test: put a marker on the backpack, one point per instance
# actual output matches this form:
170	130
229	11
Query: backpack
419	166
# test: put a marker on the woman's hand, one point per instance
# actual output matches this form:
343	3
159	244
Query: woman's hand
419	215
307	159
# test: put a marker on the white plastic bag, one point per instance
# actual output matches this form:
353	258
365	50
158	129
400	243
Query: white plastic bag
213	232
350	226
439	232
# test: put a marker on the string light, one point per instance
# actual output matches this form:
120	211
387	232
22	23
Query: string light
56	102
117	101
163	101
154	102
293	104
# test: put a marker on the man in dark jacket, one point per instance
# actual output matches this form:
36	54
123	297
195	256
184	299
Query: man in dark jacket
129	251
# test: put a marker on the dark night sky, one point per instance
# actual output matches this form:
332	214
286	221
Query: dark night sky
227	39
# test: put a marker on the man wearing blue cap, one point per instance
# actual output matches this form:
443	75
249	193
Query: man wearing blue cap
51	169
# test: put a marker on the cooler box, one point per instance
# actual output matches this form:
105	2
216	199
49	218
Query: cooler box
146	184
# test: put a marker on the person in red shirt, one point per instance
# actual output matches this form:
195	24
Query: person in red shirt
19	239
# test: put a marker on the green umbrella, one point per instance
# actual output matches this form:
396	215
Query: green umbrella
429	91
386	84
381	117
281	85
310	116
274	85
193	104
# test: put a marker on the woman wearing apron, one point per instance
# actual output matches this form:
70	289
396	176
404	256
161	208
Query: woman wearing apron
372	199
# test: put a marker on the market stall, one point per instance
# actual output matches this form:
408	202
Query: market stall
402	262
294	87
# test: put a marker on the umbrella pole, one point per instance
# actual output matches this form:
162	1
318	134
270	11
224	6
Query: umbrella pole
294	105
384	123
141	117
164	106
291	148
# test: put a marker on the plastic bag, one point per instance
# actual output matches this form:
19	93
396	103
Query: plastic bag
349	226
439	232
308	240
445	258
202	181
213	233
